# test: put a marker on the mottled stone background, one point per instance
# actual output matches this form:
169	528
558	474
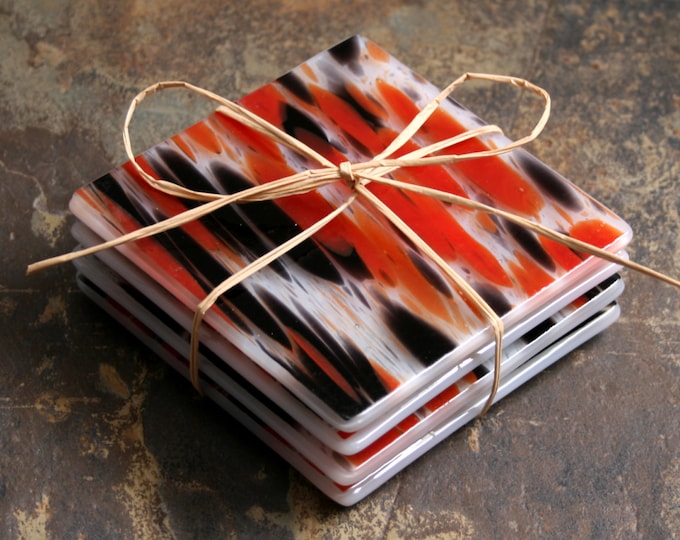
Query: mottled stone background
98	439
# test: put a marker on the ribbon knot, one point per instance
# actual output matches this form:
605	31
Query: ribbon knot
356	176
346	172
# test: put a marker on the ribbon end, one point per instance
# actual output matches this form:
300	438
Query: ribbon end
37	266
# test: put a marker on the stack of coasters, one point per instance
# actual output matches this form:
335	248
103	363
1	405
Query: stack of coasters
351	355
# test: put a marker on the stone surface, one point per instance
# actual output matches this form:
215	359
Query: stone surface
98	439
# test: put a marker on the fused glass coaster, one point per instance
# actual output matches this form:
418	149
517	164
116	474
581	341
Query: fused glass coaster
356	320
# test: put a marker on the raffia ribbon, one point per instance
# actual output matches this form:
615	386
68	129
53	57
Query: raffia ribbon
357	176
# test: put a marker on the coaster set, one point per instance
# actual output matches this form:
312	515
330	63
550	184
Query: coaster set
351	355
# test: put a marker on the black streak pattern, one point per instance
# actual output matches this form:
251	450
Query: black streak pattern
494	298
353	365
193	256
353	264
321	384
434	277
538	331
296	86
528	241
295	121
422	340
548	181
225	223
346	52
358	294
368	117
278	228
480	371
358	146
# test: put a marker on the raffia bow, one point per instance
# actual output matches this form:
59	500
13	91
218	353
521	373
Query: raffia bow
357	176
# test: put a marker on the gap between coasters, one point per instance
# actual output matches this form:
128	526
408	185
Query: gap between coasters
357	176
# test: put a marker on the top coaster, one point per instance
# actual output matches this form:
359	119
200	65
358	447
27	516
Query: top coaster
356	319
